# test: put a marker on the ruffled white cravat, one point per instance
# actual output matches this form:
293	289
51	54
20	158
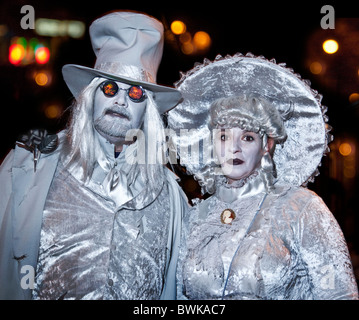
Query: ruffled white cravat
116	186
123	180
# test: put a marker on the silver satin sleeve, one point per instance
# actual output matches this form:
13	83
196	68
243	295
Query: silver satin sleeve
294	250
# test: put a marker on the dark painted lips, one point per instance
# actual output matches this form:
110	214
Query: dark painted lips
235	162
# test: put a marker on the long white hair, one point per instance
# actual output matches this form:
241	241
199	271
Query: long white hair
82	148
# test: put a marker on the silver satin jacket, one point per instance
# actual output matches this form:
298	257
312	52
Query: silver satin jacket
281	245
95	249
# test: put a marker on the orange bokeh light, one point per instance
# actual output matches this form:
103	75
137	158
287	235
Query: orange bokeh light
202	40
345	149
178	27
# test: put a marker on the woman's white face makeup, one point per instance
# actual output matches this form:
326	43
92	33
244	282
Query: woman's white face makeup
238	151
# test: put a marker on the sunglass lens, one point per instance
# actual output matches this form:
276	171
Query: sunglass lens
136	93
110	88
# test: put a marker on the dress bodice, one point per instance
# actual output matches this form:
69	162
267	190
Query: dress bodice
283	244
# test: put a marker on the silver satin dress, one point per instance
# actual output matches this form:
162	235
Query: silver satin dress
284	244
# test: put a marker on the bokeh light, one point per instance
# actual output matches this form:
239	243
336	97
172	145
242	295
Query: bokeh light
202	40
187	48
354	97
330	46
178	27
53	111
16	53
345	149
41	78
316	67
185	37
42	55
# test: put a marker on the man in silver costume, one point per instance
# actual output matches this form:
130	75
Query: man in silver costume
262	234
97	216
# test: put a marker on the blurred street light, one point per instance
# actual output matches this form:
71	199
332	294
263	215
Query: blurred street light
316	67
16	53
197	44
53	111
187	48
42	78
23	52
60	28
354	97
202	40
345	149
42	55
330	46
178	27
337	51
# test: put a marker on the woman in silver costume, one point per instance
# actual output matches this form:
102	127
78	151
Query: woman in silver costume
262	234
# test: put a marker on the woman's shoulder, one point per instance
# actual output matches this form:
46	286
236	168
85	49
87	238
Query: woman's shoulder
295	200
297	194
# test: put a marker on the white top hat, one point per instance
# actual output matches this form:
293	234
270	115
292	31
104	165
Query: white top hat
128	48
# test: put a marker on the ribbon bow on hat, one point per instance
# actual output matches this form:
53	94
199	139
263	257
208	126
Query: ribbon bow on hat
128	48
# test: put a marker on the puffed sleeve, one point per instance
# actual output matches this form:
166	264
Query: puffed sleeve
325	253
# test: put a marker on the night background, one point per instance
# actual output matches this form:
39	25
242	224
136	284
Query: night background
34	95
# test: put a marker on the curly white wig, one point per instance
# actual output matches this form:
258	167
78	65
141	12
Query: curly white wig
250	113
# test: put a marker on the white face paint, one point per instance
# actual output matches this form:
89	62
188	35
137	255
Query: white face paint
114	116
238	151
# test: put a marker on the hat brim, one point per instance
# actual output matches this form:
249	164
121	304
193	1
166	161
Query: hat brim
308	135
78	77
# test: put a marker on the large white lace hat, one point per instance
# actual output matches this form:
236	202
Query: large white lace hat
299	156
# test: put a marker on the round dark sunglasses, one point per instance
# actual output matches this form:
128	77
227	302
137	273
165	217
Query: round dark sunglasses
135	93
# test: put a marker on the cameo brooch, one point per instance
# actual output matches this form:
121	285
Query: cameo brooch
227	216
